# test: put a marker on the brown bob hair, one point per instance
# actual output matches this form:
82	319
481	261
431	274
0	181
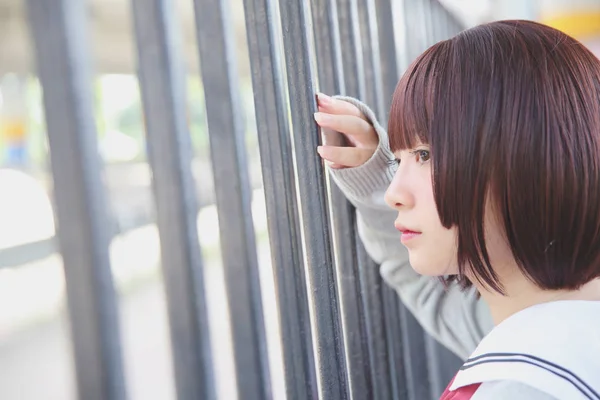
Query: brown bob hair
511	110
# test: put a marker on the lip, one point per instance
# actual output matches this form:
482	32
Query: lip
407	233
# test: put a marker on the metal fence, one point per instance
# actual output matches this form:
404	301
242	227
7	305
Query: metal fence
344	334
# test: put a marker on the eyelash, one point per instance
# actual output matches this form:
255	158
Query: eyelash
417	153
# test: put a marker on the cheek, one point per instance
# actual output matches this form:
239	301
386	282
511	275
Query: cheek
436	254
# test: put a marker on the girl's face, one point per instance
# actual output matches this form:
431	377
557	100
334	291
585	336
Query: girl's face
432	248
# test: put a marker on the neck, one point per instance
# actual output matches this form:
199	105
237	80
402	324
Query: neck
521	293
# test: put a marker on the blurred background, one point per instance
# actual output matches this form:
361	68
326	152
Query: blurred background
35	354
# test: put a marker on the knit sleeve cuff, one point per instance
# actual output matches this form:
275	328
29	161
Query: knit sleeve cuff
376	174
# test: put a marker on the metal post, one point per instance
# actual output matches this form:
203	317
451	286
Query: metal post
367	21
323	298
59	33
381	373
438	20
452	26
390	72
393	313
331	81
429	14
361	57
442	366
226	130
328	46
367	48
163	95
352	55
273	125
416	40
383	310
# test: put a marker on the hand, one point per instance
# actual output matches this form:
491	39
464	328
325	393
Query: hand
360	136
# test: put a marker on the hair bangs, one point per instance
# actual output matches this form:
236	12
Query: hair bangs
412	107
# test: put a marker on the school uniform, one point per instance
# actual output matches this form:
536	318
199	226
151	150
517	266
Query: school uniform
551	349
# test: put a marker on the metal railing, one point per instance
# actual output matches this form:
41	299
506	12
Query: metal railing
344	333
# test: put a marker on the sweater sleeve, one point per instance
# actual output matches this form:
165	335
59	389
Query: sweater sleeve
457	319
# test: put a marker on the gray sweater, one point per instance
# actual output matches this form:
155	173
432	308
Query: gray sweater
457	319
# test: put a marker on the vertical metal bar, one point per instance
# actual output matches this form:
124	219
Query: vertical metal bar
385	353
352	56
428	15
354	73
390	73
327	44
442	366
402	330
352	293
424	16
416	41
60	37
367	20
442	25
438	19
413	337
452	25
393	324
433	361
271	110
331	80
163	95
417	374
298	42
371	286
395	314
363	19
226	130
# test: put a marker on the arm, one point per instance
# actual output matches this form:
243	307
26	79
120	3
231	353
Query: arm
457	319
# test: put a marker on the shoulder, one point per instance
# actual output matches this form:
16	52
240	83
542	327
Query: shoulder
499	390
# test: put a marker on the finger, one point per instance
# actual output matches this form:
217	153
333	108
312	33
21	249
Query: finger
333	165
333	138
350	125
332	105
345	156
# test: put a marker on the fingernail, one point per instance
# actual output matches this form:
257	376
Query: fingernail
320	149
323	99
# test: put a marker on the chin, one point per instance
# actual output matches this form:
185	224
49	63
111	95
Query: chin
429	266
423	268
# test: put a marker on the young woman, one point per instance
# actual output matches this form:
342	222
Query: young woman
492	168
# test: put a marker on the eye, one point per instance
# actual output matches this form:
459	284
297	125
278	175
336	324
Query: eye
394	162
421	155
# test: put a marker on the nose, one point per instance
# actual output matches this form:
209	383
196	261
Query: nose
398	195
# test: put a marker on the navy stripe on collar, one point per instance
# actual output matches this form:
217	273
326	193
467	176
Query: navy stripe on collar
555	369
